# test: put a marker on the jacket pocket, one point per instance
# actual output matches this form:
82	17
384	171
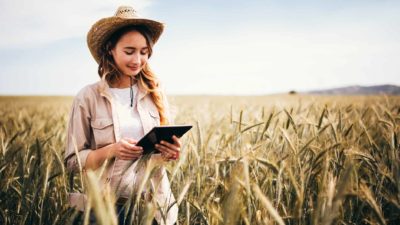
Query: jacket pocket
155	116
103	131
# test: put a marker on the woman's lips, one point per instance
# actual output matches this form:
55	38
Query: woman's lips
133	67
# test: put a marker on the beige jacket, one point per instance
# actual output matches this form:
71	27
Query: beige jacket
93	124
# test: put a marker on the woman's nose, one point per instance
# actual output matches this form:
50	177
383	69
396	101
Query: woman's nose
135	58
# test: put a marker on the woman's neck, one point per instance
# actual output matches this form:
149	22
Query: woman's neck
123	81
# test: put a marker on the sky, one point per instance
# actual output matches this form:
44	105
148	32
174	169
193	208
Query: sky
211	47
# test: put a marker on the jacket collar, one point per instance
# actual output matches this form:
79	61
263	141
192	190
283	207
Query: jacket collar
104	90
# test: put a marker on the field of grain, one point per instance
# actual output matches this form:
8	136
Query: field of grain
248	160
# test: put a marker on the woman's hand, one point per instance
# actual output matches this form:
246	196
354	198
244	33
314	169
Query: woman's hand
126	149
170	151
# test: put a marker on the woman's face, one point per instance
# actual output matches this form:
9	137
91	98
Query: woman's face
131	53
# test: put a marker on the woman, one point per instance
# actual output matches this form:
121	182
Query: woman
110	116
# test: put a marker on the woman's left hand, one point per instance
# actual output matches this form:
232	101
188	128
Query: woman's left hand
170	151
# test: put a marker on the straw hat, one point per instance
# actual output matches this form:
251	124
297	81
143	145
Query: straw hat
125	16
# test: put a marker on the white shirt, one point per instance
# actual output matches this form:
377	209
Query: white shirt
129	119
130	127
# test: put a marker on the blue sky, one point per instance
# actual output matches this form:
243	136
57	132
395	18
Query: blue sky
208	47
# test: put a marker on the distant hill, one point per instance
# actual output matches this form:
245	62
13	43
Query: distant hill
360	90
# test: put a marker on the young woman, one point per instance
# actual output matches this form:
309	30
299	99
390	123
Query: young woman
111	115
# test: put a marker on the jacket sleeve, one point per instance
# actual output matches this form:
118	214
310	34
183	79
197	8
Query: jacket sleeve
78	137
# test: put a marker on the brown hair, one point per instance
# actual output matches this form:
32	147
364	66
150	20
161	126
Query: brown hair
146	78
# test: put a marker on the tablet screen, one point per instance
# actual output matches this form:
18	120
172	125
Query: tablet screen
159	133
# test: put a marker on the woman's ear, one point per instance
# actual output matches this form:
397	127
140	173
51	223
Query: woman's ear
111	50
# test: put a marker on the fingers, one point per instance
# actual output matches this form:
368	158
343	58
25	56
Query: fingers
167	147
167	157
131	140
169	151
130	146
128	155
130	152
176	145
127	150
176	140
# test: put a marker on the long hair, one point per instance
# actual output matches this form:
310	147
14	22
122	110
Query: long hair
146	79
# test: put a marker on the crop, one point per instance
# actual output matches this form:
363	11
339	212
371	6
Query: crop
249	160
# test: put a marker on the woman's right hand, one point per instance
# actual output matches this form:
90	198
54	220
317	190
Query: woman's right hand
126	149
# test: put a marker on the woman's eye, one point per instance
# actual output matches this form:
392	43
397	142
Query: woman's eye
144	52
129	53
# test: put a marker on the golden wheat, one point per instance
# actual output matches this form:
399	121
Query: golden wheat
249	160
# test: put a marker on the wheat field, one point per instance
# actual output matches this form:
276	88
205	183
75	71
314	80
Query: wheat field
249	160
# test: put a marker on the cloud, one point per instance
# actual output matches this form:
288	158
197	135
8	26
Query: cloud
27	23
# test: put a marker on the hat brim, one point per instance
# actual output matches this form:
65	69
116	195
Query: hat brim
102	30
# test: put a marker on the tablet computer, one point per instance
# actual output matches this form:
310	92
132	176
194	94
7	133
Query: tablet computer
159	133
